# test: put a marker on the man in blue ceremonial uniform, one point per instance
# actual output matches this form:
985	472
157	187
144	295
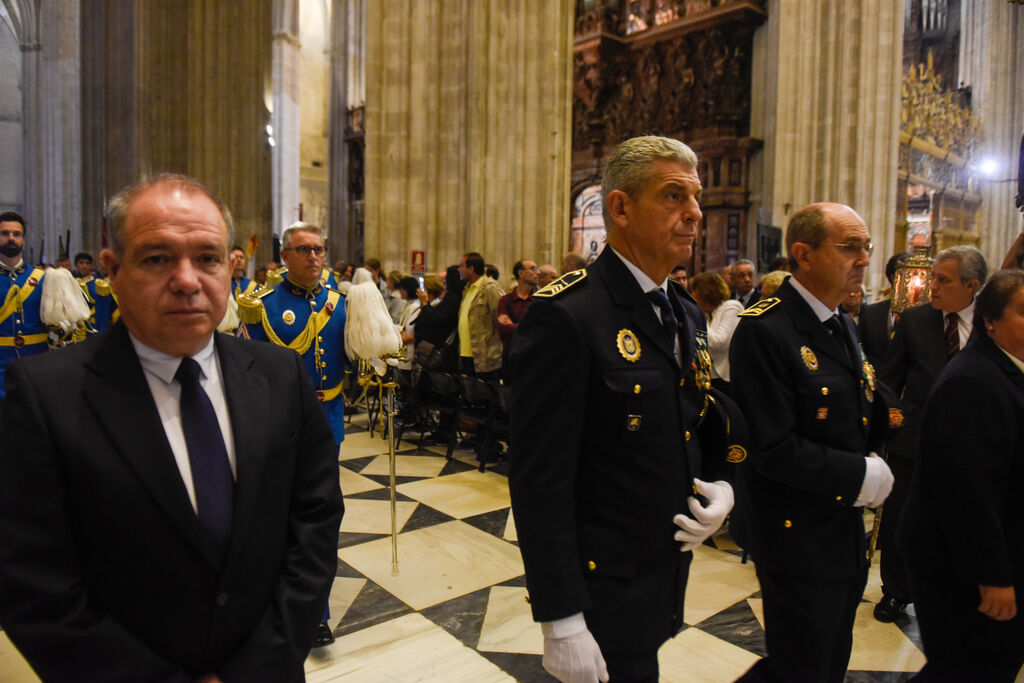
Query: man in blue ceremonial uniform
22	331
102	303
302	314
240	284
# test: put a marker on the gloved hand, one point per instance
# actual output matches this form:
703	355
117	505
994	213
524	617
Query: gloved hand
570	652
706	520
877	483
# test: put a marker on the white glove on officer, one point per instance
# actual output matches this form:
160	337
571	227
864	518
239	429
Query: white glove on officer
707	520
877	482
570	652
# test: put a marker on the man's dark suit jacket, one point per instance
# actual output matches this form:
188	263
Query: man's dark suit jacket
104	572
604	452
873	329
813	417
915	358
962	527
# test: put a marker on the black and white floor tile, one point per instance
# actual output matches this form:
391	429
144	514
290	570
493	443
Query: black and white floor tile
456	609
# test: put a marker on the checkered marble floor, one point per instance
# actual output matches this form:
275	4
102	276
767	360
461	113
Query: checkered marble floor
457	611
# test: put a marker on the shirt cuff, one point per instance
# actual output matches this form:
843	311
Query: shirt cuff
565	627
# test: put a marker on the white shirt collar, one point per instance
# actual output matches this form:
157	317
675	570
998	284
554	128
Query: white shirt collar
1016	361
822	311
165	366
966	315
642	278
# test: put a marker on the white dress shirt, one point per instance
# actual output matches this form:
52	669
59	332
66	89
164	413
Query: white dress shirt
159	369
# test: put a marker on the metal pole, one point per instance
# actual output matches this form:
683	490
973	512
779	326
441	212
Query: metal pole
392	467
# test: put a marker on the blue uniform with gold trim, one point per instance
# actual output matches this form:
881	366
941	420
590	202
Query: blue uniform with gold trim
312	323
243	285
102	304
22	332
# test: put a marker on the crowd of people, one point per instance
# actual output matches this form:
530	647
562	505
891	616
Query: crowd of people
174	444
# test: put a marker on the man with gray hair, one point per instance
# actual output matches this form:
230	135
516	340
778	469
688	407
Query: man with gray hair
743	275
609	374
924	339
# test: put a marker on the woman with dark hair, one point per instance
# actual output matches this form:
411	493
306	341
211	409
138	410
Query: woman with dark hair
406	324
438	320
963	525
712	296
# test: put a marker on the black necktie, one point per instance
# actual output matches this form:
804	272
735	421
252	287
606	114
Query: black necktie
668	318
952	335
211	470
835	327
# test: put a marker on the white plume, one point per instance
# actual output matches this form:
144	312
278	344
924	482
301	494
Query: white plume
361	275
230	322
369	332
63	301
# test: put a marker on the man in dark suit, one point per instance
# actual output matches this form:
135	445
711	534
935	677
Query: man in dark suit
877	320
809	399
743	276
160	518
610	371
925	338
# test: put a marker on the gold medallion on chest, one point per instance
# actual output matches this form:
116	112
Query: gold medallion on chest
810	360
629	345
288	317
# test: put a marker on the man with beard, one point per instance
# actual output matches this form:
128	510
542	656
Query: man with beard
23	332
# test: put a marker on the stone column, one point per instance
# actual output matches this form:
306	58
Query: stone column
51	99
826	101
285	117
348	92
992	64
467	130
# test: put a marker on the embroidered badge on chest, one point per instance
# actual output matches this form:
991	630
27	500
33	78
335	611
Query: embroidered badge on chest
629	345
288	317
810	360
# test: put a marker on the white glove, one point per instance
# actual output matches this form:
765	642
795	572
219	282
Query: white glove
570	652
877	482
707	520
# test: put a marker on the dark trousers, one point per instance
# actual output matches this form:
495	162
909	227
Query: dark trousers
808	627
632	669
468	368
895	583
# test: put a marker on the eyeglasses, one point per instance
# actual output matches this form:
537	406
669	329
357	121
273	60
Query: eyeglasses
304	250
854	249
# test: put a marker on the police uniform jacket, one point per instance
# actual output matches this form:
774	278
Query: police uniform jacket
22	331
603	454
916	357
312	323
873	329
813	415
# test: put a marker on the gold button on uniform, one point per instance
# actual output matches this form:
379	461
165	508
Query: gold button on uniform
591	565
636	388
687	434
682	381
865	421
787	524
839	498
824	391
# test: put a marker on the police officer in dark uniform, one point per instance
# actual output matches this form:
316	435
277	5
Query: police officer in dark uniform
809	396
609	374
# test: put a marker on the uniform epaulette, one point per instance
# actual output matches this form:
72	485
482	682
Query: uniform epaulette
103	286
275	276
553	289
760	308
250	308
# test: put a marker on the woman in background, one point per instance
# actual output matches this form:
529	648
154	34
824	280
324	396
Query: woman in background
712	296
963	524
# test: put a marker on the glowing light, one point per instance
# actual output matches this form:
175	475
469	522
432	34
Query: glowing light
989	167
